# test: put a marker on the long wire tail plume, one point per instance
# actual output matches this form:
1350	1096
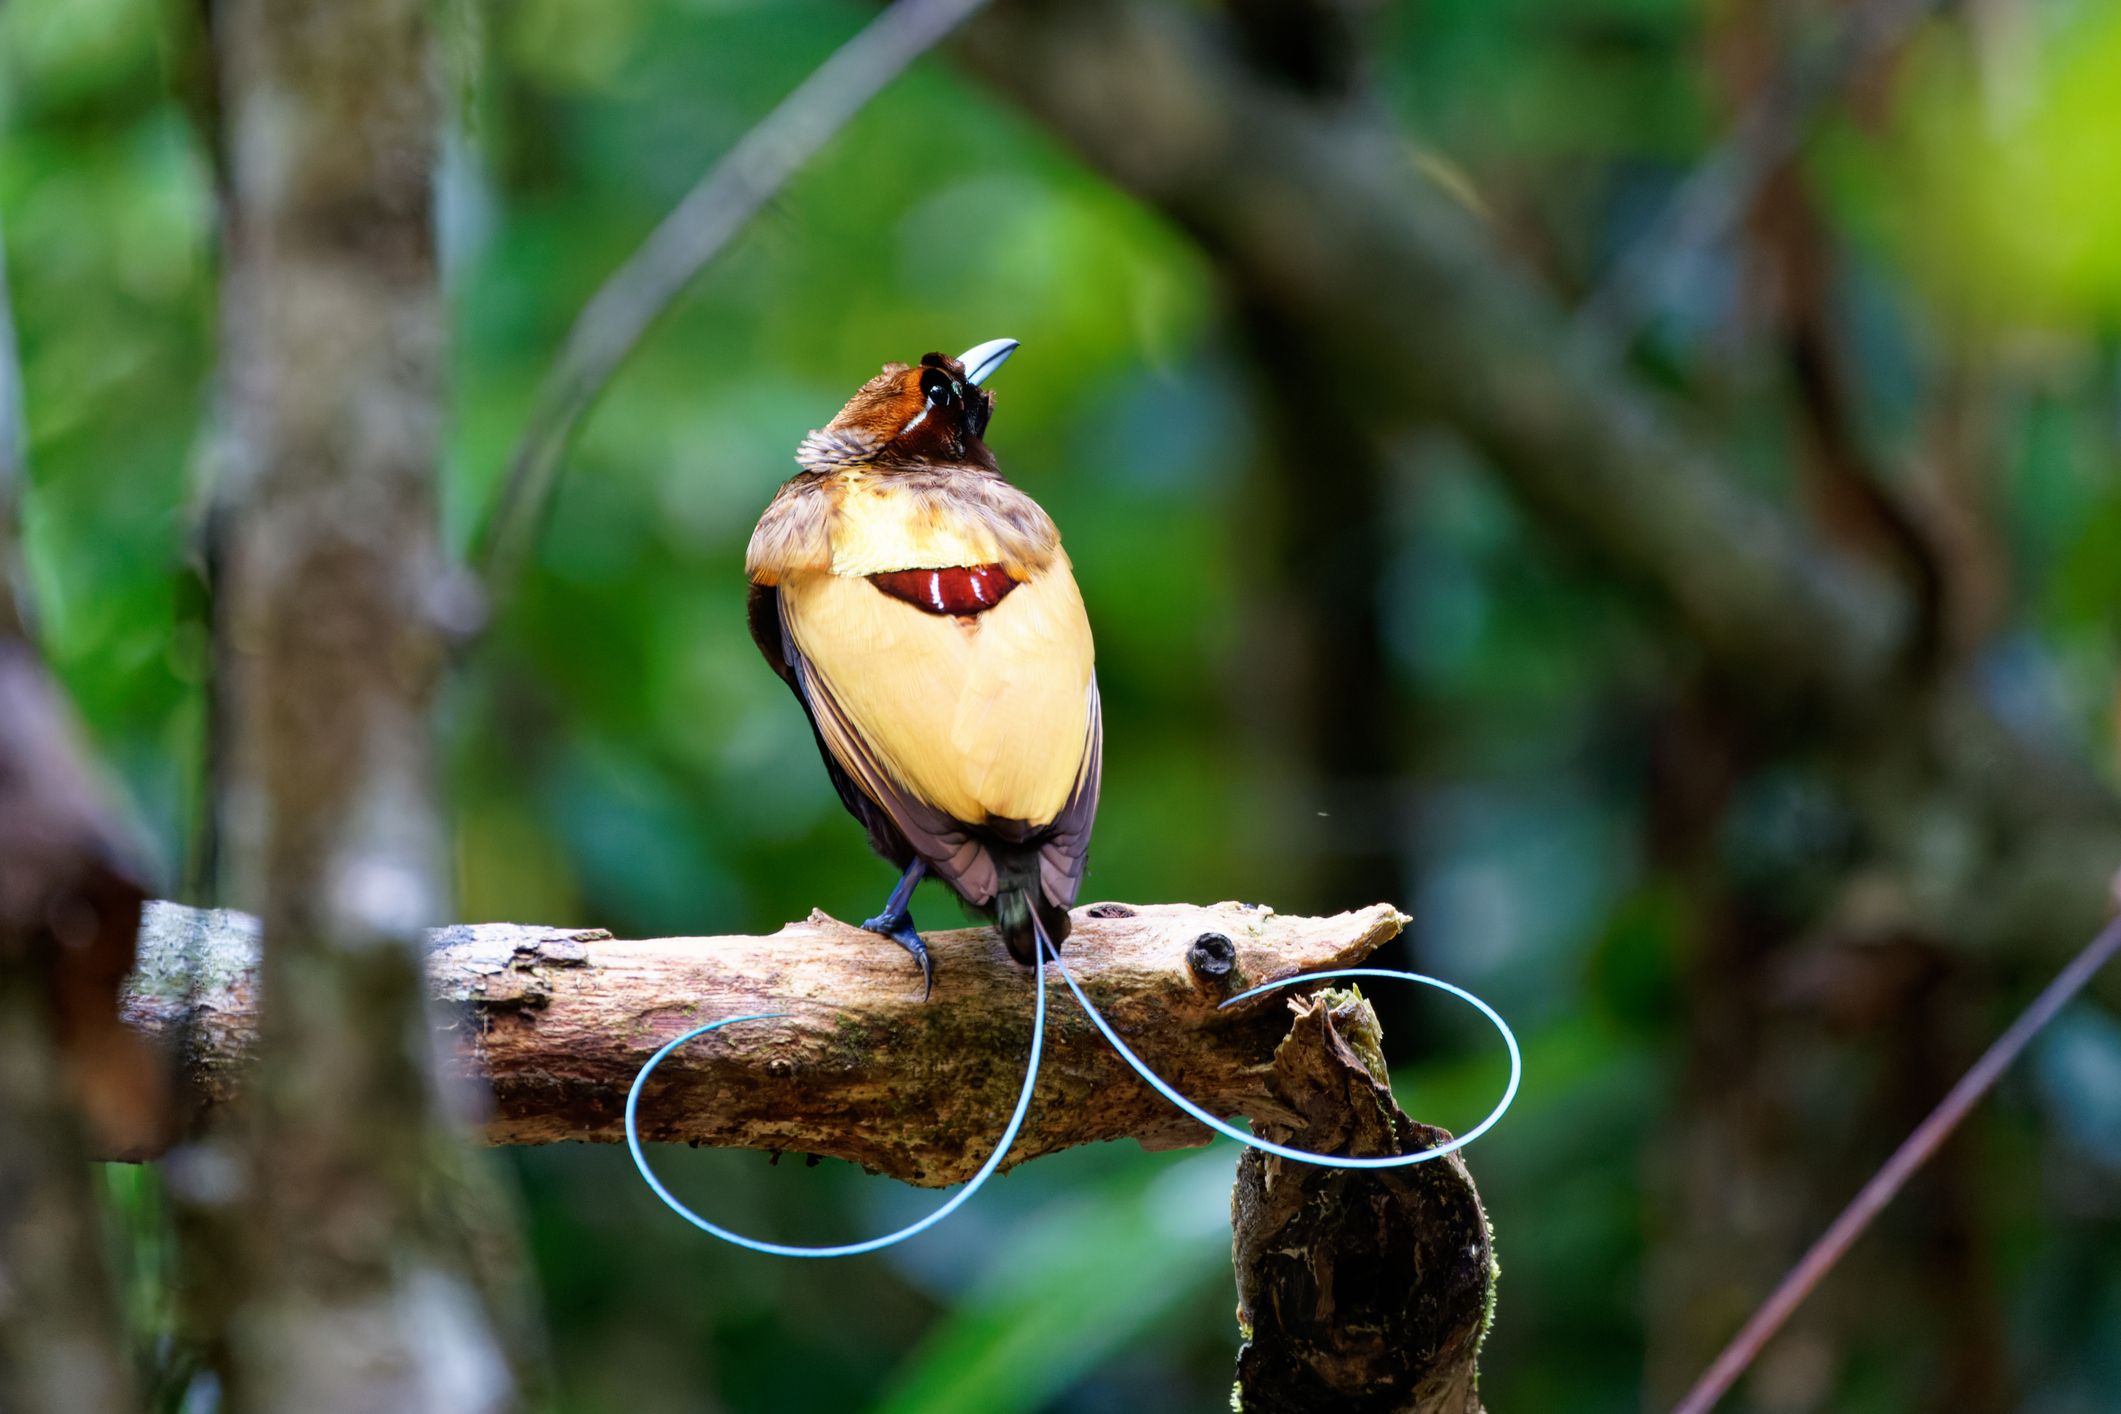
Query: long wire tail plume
849	1249
1168	1091
1047	949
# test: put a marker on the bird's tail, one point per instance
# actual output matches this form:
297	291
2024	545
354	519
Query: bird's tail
1021	910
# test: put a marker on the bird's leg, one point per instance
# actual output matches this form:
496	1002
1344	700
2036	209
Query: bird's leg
896	921
895	915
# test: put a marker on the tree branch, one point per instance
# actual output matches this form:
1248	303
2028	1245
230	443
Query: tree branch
1884	1185
557	1021
1702	212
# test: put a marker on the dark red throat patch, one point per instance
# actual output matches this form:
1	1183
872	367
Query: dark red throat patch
960	592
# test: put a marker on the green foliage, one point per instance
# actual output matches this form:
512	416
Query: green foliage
2001	175
616	755
1065	1292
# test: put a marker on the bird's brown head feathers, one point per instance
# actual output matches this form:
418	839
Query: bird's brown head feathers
929	413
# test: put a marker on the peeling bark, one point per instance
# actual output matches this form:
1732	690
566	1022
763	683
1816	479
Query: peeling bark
1361	1291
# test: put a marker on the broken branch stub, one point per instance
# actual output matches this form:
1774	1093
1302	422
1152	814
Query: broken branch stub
1366	1291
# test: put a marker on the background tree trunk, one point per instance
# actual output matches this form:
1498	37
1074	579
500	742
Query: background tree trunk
358	1290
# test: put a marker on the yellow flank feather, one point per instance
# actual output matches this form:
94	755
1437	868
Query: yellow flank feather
878	527
987	717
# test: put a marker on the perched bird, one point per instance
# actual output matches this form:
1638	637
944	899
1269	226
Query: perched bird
924	614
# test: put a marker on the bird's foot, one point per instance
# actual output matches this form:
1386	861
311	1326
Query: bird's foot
898	927
896	922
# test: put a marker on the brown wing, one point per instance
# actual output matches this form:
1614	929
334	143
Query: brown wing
763	609
884	834
899	826
1064	853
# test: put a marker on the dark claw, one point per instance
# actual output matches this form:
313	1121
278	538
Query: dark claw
900	930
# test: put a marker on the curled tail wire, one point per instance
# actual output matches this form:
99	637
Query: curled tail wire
849	1249
1304	1156
1046	948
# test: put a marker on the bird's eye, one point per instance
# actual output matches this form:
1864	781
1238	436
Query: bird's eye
940	388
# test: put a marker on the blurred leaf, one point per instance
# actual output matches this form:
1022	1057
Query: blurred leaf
1072	1286
2004	180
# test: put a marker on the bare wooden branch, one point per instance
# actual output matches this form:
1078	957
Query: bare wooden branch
1884	1185
720	205
557	1021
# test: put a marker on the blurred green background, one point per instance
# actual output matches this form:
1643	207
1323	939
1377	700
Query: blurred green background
616	754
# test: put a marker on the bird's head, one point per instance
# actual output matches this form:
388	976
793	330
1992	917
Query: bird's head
934	411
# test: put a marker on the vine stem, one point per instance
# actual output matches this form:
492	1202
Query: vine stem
1914	1151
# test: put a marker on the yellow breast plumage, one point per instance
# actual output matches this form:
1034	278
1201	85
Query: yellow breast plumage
985	718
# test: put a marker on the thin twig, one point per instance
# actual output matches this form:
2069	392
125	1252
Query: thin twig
1913	1152
1719	191
718	207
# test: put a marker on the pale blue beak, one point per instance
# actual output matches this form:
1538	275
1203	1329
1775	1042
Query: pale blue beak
981	360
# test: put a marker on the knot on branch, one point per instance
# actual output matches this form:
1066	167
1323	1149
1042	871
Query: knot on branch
1358	1290
1211	960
